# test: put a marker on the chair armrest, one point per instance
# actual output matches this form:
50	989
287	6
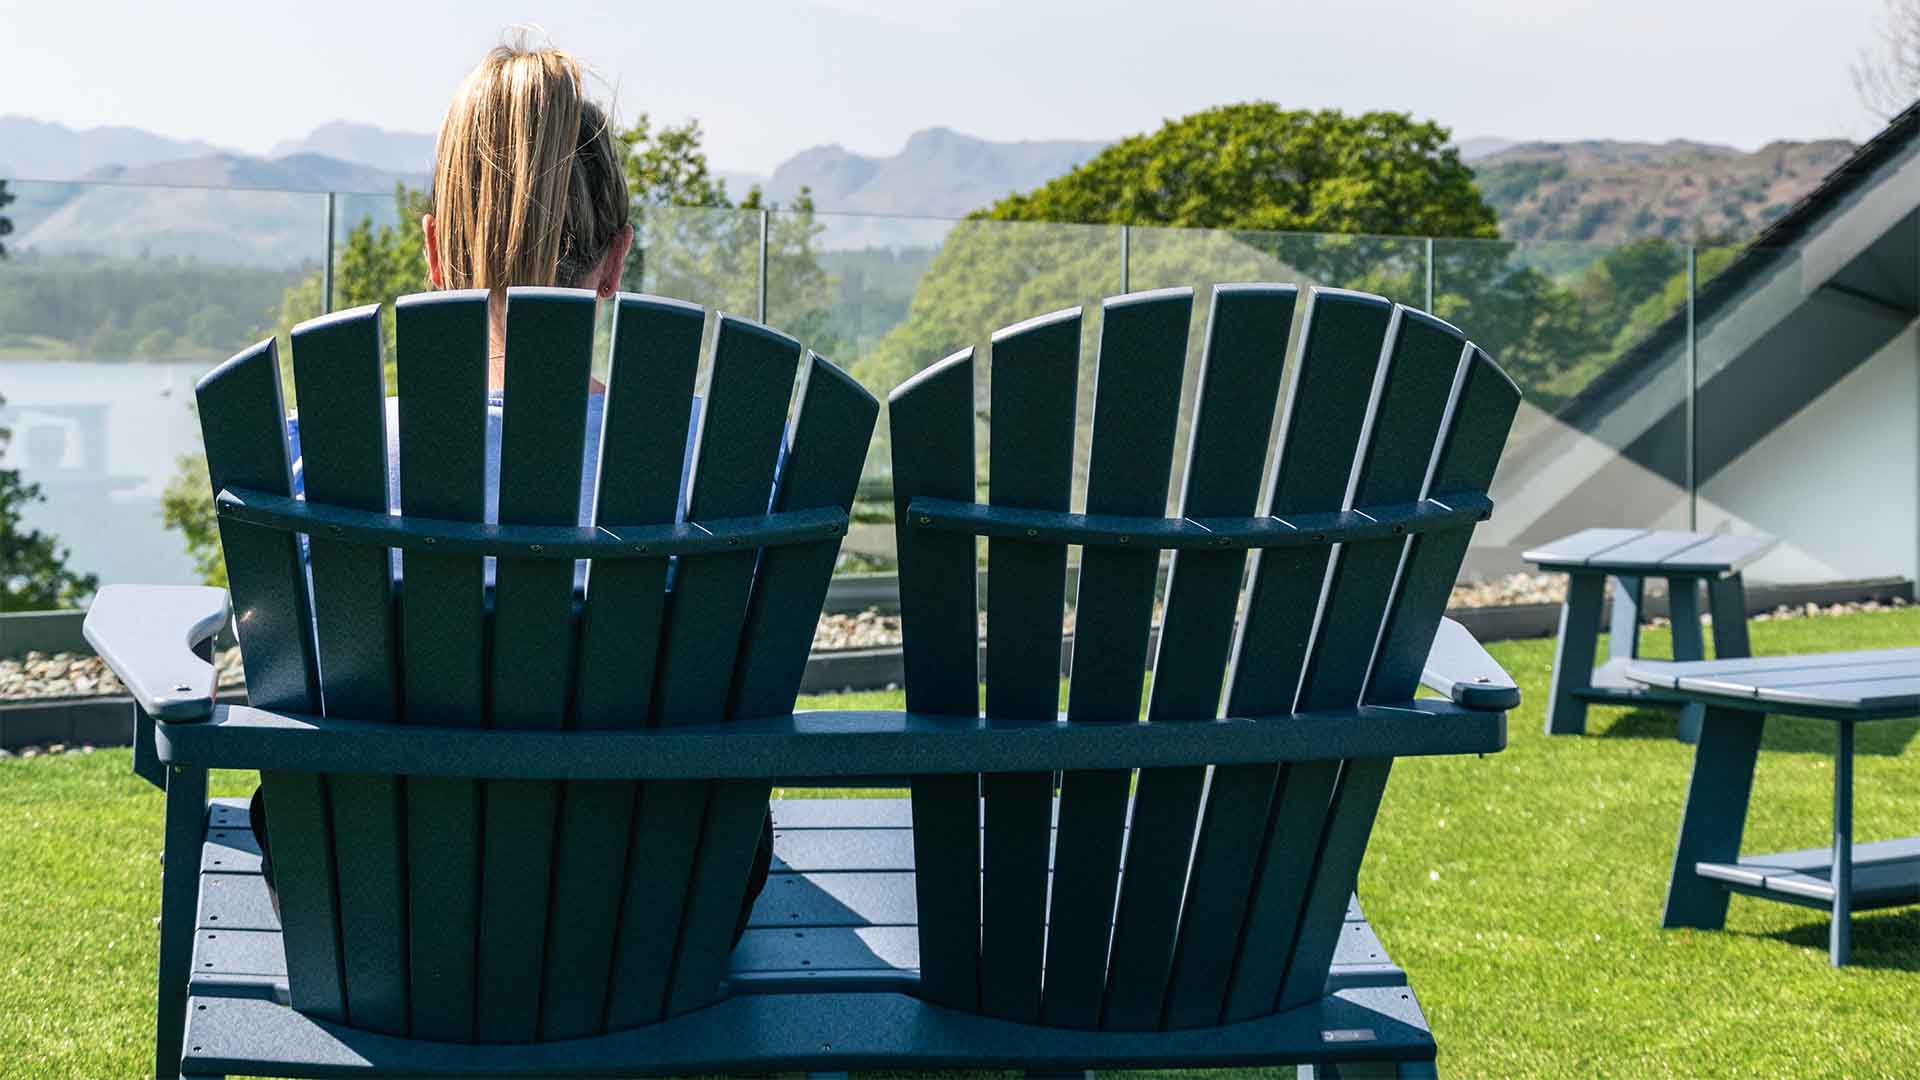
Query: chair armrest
148	635
818	744
1459	668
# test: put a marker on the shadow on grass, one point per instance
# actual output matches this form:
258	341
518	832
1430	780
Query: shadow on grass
1783	735
1882	941
1642	723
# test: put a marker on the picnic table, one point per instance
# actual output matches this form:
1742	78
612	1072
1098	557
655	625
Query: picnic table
1735	696
1630	556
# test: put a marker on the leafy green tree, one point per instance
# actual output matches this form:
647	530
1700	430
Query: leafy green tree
6	225
1262	174
693	242
1258	166
33	568
376	264
185	507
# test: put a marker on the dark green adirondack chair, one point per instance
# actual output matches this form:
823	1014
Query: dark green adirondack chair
1183	915
618	846
461	850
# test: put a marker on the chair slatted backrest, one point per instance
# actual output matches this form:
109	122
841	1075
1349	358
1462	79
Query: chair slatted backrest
1220	893
523	910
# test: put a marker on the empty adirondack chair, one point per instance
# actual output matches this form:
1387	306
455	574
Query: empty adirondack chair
598	948
1202	934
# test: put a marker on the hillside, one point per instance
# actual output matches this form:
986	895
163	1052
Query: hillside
203	208
46	151
939	173
1599	191
364	144
1610	192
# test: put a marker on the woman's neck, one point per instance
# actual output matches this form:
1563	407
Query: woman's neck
497	350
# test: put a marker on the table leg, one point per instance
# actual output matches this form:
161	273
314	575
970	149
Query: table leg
1840	936
1683	605
1715	816
1573	656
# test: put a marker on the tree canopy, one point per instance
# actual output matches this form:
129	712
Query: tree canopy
1259	166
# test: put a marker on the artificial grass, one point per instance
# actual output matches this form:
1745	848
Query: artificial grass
1522	893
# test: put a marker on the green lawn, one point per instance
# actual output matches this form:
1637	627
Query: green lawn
1521	891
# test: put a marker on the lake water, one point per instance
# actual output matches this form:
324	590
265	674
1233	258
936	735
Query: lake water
101	439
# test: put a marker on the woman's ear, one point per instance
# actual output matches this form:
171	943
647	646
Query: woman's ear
613	264
432	236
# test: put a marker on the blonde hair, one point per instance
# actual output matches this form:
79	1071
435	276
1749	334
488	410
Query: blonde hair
527	188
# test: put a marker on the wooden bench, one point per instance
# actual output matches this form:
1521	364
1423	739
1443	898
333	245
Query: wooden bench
1735	696
1629	557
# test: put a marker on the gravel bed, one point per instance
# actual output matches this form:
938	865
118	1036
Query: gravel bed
44	677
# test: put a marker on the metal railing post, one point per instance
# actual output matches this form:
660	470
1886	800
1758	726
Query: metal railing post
1126	259
1693	394
326	269
764	220
1429	275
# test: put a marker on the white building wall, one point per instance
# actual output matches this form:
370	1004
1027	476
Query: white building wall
1839	483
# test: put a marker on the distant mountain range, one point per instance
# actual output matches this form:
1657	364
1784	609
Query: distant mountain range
1608	192
364	144
37	150
939	173
1600	191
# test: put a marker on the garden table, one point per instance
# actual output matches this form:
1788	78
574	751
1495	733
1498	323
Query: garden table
1630	556
1736	695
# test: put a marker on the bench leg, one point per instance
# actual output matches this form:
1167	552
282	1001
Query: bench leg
1727	600
1683	604
1573	656
1840	935
186	831
1715	815
1623	625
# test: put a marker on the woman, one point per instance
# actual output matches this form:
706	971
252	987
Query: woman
528	189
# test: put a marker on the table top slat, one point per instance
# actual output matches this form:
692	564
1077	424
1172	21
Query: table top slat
1724	553
1581	546
1652	552
1868	681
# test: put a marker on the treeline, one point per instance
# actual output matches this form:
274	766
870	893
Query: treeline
73	307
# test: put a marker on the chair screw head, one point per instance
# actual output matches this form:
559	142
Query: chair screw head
536	549
182	688
925	520
334	529
1033	532
1319	538
430	541
642	549
1222	542
1482	678
1126	539
1398	529
733	541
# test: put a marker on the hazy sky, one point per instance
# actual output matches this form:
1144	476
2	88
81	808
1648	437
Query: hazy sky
769	79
